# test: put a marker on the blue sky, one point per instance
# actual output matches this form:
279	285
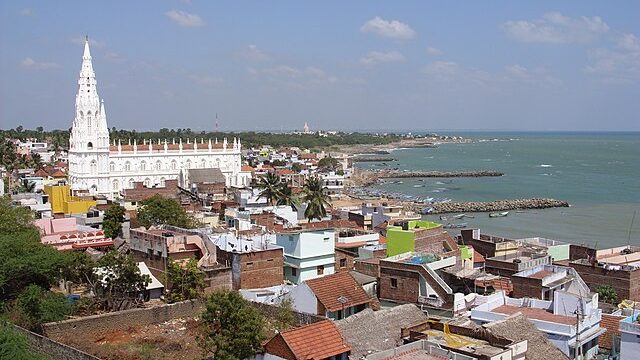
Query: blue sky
409	65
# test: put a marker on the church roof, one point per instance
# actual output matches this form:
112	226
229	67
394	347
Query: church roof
206	176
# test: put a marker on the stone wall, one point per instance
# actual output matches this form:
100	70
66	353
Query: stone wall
344	257
89	327
625	283
270	311
54	349
407	285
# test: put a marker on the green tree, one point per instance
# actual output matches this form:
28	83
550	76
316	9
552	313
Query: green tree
285	318
232	328
118	283
15	345
607	294
285	196
186	281
26	261
317	201
27	186
112	221
328	164
14	219
36	306
158	210
270	186
296	168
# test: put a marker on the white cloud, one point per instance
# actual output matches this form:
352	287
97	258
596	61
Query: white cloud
29	63
26	12
452	73
253	53
376	57
391	29
621	64
184	18
114	57
297	77
434	52
555	28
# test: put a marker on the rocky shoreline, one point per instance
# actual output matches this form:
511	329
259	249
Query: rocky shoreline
364	178
498	205
373	159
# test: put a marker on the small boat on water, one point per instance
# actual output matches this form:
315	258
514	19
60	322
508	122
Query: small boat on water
454	226
443	218
499	214
427	210
459	216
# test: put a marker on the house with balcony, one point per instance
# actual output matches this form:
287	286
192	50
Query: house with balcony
65	234
630	336
308	254
419	236
333	183
571	322
412	278
336	296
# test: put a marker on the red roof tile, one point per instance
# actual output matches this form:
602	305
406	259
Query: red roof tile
612	324
477	257
246	168
329	288
320	340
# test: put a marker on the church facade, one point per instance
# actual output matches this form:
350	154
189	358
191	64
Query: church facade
98	167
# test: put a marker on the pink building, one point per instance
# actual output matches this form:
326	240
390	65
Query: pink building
64	234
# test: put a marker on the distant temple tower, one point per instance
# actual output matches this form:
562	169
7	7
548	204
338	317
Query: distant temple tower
305	129
89	140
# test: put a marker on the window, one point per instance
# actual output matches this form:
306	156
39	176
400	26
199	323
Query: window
343	263
90	144
127	167
326	239
115	185
294	272
112	166
158	165
394	283
320	269
249	264
174	165
143	165
203	164
94	167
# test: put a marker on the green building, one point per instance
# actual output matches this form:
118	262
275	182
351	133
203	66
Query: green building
402	239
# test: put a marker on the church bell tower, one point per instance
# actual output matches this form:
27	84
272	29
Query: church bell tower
89	140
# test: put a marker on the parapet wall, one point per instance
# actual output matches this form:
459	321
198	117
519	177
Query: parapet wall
89	327
54	349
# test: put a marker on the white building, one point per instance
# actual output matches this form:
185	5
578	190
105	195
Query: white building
307	254
100	168
630	337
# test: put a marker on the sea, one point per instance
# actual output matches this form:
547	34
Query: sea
597	173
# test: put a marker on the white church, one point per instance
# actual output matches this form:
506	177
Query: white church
97	167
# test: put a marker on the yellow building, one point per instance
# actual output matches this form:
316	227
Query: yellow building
62	201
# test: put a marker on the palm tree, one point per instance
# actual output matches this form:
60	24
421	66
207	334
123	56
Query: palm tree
317	201
286	197
270	185
28	186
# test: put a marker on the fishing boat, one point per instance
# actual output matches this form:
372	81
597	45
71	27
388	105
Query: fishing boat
459	216
427	210
455	226
499	214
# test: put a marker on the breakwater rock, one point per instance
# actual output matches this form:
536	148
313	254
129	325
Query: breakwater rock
435	174
499	205
373	159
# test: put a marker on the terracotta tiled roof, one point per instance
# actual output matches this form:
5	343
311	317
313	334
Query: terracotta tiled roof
320	340
328	224
58	174
329	288
477	257
41	173
246	168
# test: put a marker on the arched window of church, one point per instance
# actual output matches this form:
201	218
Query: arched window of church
93	166
143	165
188	164
112	166
130	183
90	145
116	185
127	166
162	181
147	182
174	165
203	163
158	165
